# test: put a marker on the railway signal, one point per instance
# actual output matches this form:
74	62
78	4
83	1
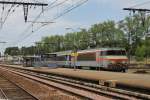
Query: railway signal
75	49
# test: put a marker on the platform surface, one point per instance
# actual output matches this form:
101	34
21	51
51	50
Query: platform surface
137	80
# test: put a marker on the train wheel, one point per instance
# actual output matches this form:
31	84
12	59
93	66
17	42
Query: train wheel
124	70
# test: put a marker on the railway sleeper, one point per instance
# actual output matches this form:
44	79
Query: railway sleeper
108	83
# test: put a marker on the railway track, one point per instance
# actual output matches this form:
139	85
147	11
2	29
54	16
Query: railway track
97	91
10	91
82	94
35	86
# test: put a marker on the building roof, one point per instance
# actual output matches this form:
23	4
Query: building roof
61	53
31	56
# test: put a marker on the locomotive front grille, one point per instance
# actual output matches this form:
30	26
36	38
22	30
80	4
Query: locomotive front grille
117	66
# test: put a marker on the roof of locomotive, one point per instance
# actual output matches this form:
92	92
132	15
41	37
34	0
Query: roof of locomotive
99	49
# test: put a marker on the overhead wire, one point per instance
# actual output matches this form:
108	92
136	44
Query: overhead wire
140	4
3	8
8	14
62	14
51	6
37	18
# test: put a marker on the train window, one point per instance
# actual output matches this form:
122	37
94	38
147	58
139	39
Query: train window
68	58
102	53
62	58
113	52
87	57
48	57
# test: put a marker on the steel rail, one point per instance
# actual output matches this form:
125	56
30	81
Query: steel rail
10	90
68	89
5	97
121	94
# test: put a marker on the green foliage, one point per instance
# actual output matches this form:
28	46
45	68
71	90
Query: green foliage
28	50
135	29
140	53
127	34
106	34
12	51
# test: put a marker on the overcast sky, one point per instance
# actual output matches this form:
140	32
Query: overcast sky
94	11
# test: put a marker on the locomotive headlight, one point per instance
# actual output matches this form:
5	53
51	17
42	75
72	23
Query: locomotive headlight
112	62
124	62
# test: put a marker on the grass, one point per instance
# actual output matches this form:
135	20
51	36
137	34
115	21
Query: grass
140	62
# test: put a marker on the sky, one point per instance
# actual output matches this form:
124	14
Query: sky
92	12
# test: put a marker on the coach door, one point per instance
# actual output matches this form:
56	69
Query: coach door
101	59
98	60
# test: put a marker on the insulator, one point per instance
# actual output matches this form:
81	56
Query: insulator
32	28
3	7
34	7
9	10
42	9
12	5
30	7
130	13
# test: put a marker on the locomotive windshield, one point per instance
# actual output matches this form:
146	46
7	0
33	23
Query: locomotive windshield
114	52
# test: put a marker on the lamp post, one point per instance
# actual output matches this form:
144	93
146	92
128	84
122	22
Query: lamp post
2	42
74	50
74	54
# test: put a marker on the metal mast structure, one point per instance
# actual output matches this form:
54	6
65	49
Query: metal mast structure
143	13
25	6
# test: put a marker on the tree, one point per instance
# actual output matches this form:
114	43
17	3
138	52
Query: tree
134	30
12	51
127	34
82	39
140	53
106	34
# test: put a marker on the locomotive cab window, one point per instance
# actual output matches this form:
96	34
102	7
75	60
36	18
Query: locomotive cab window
113	52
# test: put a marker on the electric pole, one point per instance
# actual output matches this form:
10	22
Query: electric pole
143	18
